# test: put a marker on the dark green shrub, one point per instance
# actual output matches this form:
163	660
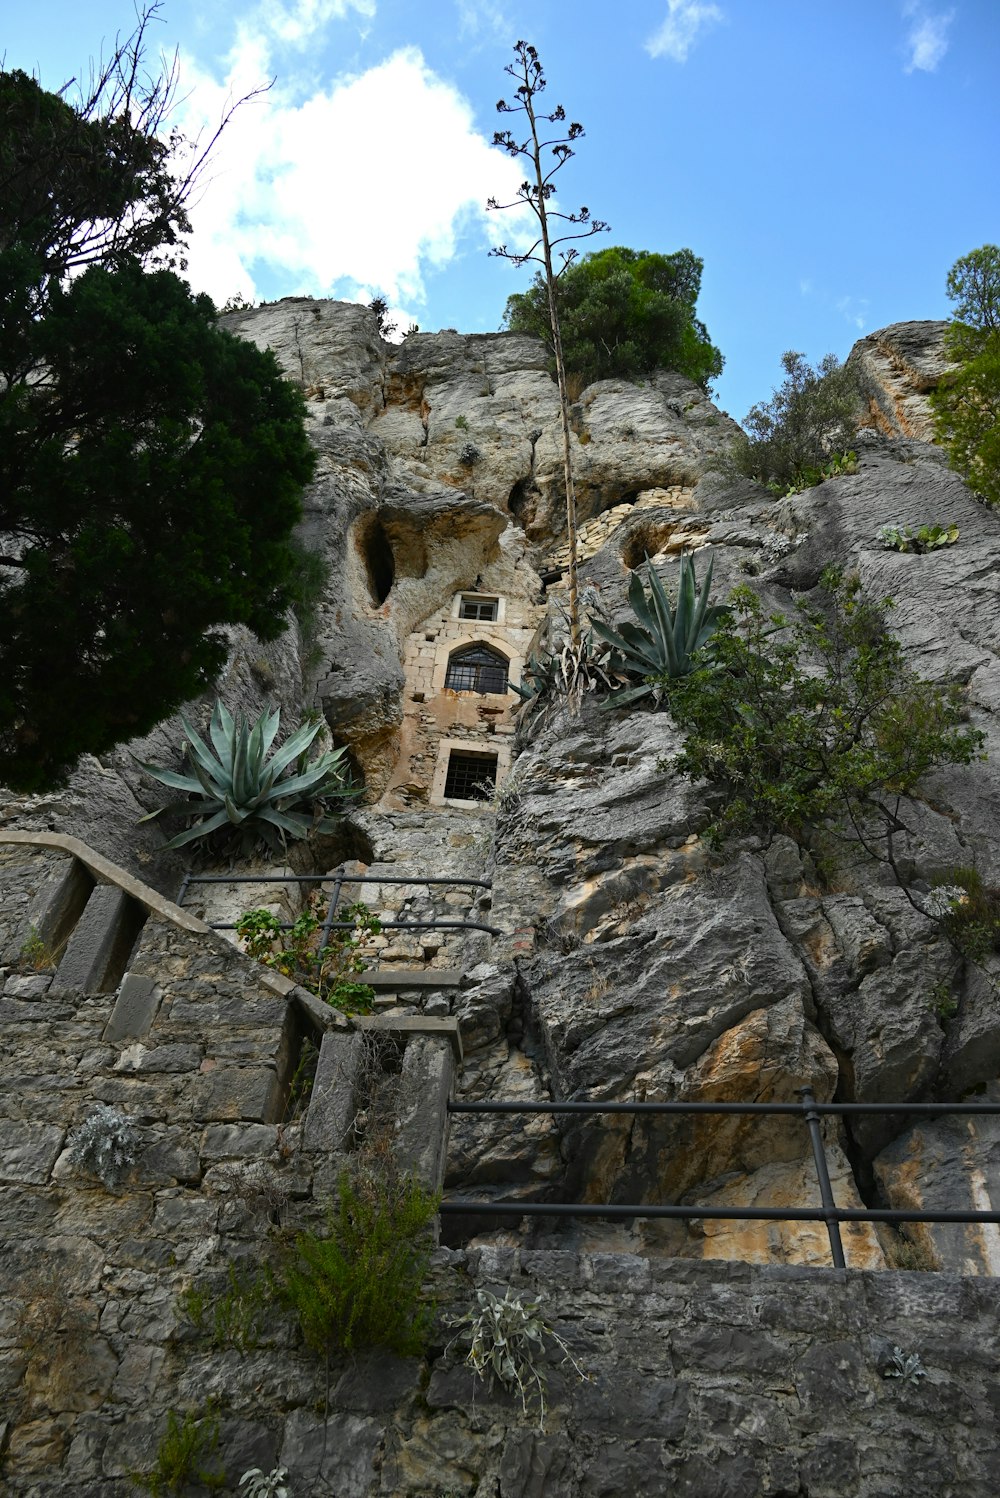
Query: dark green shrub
802	434
361	1285
380	307
967	401
235	1318
623	314
183	1456
815	721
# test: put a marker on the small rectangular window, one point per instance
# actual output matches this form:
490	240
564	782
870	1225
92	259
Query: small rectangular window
473	607
471	777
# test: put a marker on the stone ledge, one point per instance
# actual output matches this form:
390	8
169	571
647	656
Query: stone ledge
412	1025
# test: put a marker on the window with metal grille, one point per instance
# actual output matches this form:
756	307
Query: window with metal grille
471	777
473	607
477	668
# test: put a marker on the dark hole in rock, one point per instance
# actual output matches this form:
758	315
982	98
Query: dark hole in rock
376	1091
343	843
523	501
297	1061
643	541
380	564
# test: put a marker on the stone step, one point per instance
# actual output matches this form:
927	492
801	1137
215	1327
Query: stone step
60	903
99	948
135	1009
445	1028
386	980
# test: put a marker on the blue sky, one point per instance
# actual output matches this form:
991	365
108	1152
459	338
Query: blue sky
828	159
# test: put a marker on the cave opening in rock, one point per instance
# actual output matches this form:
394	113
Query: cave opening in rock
330	846
380	563
645	540
522	502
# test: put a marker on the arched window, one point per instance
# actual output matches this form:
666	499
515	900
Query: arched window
477	668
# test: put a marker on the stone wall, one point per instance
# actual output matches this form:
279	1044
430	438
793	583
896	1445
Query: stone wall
706	1378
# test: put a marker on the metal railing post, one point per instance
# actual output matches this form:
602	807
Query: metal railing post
825	1186
338	884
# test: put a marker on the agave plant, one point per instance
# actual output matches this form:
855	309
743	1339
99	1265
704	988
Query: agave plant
563	675
238	787
664	641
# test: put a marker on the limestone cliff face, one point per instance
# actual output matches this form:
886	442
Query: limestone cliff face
900	365
635	964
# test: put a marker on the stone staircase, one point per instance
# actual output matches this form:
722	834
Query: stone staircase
176	999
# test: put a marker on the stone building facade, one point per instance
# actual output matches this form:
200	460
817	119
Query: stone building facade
458	701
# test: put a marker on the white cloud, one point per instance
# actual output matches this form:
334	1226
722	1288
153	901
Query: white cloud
684	20
854	310
482	18
365	183
927	39
296	22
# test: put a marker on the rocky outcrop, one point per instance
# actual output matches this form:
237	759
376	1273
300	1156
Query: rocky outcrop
617	956
898	366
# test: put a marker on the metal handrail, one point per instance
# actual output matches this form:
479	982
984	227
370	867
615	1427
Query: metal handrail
809	1109
338	877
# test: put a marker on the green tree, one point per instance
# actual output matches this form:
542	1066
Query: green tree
974	284
811	417
536	192
151	465
624	313
812	724
967	402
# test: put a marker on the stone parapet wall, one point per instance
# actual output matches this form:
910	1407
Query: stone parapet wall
715	1381
199	1048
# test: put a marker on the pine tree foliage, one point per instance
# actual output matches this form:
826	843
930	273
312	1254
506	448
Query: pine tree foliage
151	465
624	314
967	402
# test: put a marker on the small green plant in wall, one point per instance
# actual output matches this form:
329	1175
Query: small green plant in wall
943	1002
924	538
106	1145
234	1318
330	971
186	1455
259	1484
34	954
507	1345
906	1366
